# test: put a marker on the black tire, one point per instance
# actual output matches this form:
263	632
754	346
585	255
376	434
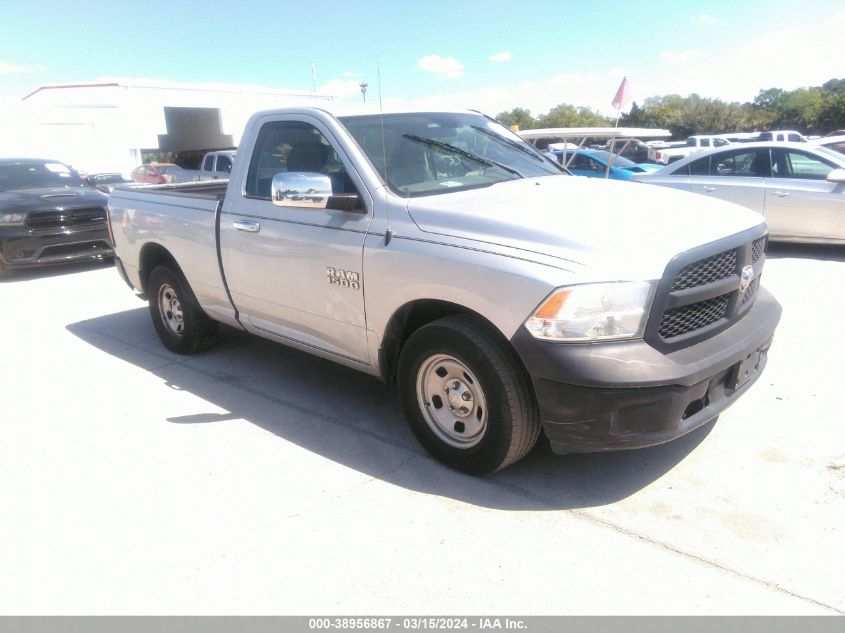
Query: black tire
179	321
493	376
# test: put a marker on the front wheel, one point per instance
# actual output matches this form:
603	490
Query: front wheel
179	321
466	397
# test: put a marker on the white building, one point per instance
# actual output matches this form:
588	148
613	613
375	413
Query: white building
97	127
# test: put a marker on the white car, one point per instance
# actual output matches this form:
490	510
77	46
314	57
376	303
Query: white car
694	144
798	187
782	136
831	142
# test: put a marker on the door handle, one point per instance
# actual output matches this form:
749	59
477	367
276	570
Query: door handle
708	189
247	227
780	194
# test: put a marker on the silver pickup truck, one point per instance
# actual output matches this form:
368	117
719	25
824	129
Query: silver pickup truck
439	251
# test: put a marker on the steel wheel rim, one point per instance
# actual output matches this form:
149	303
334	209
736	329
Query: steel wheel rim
452	401
170	310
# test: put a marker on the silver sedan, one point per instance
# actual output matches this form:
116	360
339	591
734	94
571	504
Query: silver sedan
799	189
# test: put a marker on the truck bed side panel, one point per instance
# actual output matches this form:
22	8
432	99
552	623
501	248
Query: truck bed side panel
182	220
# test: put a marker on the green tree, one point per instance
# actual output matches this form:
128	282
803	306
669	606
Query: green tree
565	115
800	109
518	116
769	99
832	113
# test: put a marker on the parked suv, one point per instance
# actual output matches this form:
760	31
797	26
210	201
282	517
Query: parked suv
48	215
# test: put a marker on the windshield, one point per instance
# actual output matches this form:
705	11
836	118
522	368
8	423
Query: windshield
618	161
831	153
37	175
431	153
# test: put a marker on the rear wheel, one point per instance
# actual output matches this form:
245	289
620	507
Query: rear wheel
181	324
466	397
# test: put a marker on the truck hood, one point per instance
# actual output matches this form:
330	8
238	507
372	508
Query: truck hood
23	200
619	230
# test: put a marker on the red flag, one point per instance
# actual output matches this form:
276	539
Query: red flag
623	95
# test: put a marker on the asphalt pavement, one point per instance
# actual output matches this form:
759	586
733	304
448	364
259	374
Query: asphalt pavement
258	479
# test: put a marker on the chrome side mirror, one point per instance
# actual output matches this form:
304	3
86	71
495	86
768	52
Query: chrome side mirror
310	190
837	176
301	189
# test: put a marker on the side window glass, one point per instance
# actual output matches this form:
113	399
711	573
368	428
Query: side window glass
792	164
293	146
584	163
794	138
224	163
749	164
705	142
700	167
207	162
577	162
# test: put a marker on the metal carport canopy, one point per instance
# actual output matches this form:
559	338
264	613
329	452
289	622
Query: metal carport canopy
607	132
627	133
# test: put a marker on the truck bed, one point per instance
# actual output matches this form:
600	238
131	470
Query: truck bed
181	218
205	189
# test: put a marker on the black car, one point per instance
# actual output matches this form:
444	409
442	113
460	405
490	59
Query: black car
48	215
105	182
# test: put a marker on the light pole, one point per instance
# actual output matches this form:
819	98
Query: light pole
363	86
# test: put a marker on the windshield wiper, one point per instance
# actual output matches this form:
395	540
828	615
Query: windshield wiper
463	152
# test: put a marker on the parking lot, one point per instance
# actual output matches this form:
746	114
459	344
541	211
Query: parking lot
258	479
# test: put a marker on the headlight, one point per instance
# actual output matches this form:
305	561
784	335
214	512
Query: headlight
12	219
593	312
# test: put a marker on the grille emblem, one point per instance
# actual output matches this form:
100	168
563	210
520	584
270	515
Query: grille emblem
745	278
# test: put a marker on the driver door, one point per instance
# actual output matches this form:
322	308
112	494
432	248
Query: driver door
296	273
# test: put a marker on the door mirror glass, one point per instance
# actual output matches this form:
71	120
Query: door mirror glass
311	190
301	189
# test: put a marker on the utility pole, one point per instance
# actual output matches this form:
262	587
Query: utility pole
363	86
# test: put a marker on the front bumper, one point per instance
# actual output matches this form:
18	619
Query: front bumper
619	395
21	247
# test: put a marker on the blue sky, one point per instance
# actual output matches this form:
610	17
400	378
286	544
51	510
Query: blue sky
432	51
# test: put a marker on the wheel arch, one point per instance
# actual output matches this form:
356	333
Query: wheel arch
413	315
152	255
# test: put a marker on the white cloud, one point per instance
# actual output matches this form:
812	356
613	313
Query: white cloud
341	88
7	68
702	18
349	74
447	67
682	57
504	56
592	91
813	56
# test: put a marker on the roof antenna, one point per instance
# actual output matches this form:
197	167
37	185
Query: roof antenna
388	233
